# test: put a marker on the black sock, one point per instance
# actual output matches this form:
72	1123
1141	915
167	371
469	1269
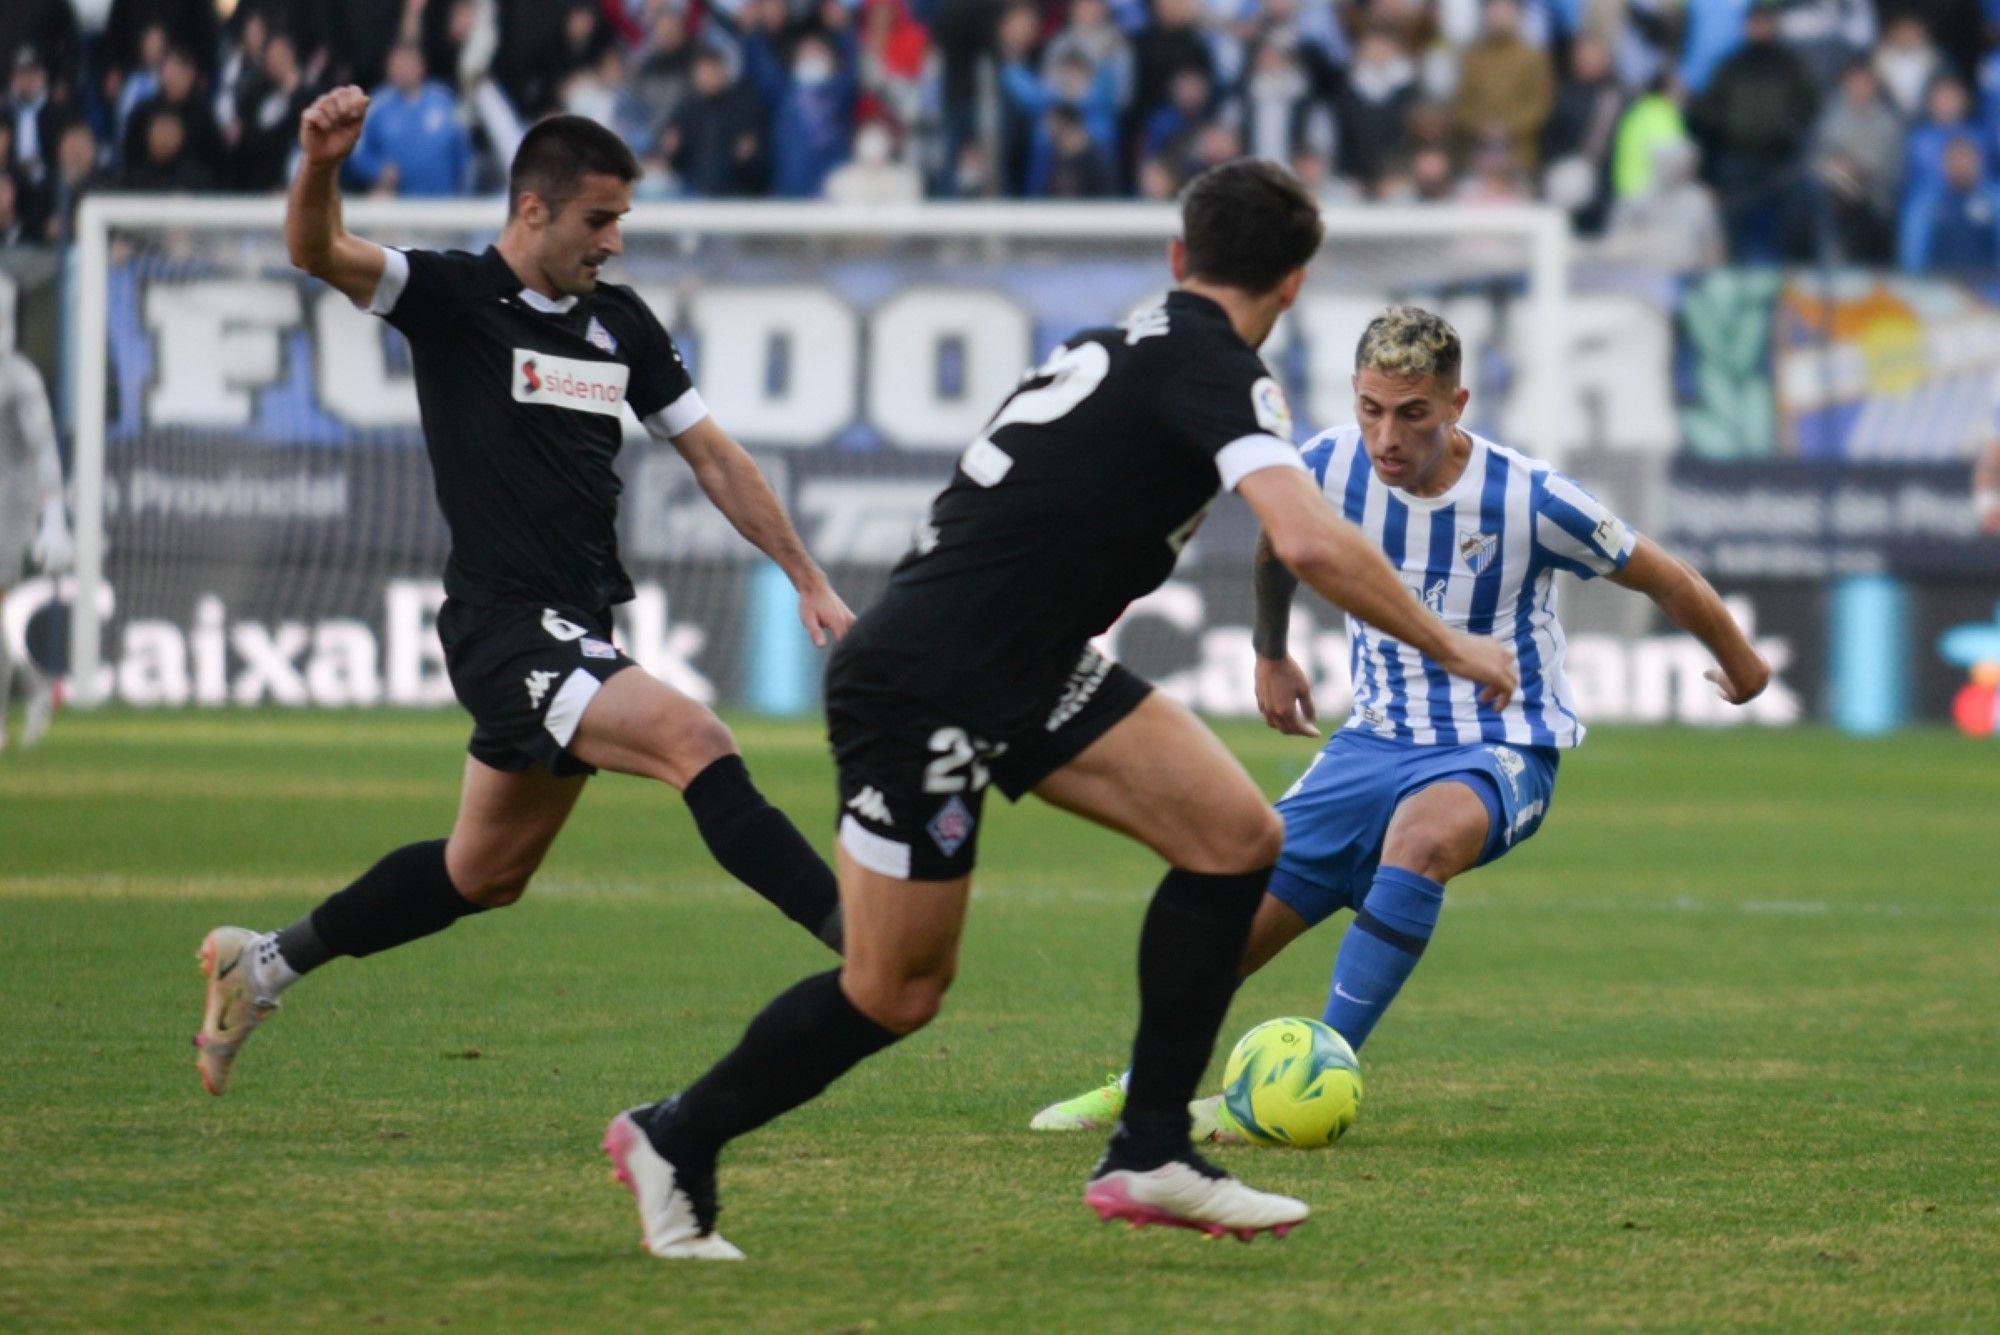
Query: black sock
802	1042
758	845
1189	953
406	895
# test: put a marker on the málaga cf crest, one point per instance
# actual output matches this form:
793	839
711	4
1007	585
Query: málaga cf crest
1476	549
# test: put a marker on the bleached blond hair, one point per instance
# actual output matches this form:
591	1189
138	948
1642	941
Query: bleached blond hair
1409	340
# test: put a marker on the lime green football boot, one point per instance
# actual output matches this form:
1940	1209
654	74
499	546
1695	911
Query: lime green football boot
1212	1124
1098	1110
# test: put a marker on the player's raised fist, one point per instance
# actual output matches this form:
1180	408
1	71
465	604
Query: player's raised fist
331	126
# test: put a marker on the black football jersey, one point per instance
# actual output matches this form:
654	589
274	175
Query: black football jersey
1076	499
522	400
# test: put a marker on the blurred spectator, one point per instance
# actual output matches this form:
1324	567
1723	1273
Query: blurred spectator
37	117
47	26
965	33
1954	225
1857	171
666	68
1496	176
1073	83
1016	37
1213	146
541	43
872	176
1315	173
1092	35
126	90
79	170
164	162
1431	180
1673	223
1754	119
1282	114
1947	118
180	96
1503	83
241	61
1653	119
812	109
715	140
190	25
894	62
1077	167
1170	128
269	102
1989	91
1173	44
1584	126
1828	35
14	228
603	93
413	144
1906	62
1374	107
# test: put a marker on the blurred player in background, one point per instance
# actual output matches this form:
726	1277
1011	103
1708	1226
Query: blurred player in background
975	668
1427	780
33	524
525	364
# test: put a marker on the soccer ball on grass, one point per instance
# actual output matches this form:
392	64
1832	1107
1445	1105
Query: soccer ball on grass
1292	1082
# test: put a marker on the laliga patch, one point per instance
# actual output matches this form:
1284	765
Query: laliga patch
1476	549
1273	413
951	827
598	649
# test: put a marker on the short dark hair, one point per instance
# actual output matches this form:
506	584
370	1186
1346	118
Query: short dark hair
1247	224
557	153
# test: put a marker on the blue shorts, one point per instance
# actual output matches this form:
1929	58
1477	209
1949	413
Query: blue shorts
1337	814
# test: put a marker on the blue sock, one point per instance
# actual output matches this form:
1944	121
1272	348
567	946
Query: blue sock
1382	945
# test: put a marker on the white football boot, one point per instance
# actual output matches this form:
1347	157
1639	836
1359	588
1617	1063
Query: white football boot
40	712
676	1208
1190	1192
235	1006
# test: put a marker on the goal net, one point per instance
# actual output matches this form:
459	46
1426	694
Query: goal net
255	517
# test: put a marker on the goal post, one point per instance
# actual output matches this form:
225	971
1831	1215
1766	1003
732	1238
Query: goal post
254	517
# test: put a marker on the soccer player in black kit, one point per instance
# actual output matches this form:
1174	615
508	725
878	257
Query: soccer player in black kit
975	668
524	365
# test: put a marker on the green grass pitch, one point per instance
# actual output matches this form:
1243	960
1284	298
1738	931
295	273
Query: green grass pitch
1718	1048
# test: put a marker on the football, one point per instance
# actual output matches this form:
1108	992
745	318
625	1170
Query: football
1292	1082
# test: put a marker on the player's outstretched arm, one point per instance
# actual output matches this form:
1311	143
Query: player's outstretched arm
1691	603
1344	567
728	476
314	234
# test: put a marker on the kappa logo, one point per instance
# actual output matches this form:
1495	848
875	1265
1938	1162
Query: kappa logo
560	626
1149	323
538	686
1512	766
1477	549
951	827
868	803
599	649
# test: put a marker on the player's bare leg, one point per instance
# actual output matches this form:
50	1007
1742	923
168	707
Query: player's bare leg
637	724
1163	778
506	822
902	951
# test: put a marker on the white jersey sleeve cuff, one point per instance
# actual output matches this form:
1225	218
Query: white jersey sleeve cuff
389	287
676	417
1249	454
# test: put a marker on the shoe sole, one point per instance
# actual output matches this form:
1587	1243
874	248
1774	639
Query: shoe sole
1113	1202
211	1015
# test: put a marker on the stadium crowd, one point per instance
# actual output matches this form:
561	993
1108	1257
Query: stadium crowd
1679	132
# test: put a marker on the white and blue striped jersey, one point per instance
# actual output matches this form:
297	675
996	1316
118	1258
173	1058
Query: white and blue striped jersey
1483	557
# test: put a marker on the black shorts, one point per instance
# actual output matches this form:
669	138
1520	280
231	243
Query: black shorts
525	672
913	776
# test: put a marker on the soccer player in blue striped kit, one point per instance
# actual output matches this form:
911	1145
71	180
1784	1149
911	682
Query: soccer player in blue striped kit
1425	782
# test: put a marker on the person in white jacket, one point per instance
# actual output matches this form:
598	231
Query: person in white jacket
33	524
